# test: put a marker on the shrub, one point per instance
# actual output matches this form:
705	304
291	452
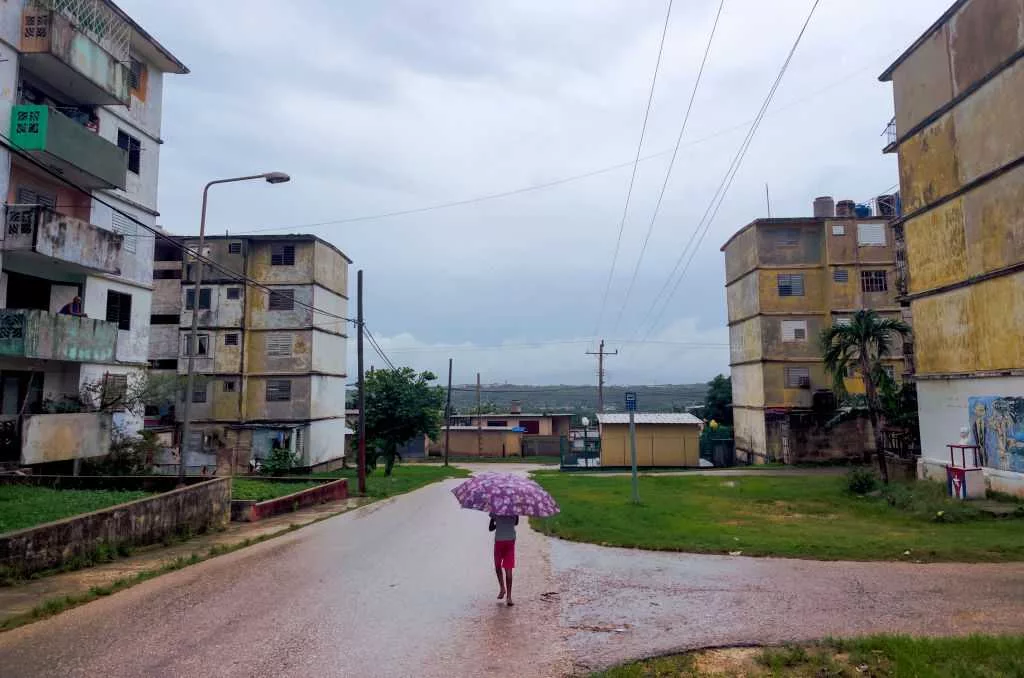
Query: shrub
280	461
861	480
129	455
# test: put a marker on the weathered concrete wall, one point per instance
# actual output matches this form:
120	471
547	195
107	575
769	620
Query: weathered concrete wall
259	359
329	354
813	299
260	268
132	344
923	83
325	441
776	247
58	437
330	269
327	397
259	317
741	254
76	241
742	297
748	384
257	408
195	508
749	433
49	336
252	511
745	340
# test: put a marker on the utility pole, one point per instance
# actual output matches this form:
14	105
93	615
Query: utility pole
601	353
361	457
448	414
479	420
631	407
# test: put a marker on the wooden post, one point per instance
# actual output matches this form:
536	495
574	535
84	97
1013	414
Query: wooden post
361	457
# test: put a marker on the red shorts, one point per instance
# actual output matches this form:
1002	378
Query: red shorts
505	554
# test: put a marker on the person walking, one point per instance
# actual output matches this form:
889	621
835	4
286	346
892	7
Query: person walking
504	529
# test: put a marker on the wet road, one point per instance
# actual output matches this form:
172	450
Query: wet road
405	588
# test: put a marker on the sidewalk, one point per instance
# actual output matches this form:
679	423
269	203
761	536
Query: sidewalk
23	598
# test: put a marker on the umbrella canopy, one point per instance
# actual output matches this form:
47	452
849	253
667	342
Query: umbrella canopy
505	494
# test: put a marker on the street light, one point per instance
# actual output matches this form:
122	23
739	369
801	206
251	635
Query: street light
193	345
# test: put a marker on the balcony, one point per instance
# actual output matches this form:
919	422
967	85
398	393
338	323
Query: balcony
40	335
80	47
72	150
890	136
60	437
43	232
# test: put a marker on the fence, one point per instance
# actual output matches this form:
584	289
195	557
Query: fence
584	455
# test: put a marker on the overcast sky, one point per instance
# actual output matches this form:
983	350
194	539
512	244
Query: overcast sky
376	107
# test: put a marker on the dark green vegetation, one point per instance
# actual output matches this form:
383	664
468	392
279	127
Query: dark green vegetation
404	478
876	656
718	401
401	404
812	517
262	490
23	506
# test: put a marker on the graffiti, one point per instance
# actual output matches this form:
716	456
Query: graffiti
997	424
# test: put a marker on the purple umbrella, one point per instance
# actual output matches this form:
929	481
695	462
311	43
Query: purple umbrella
504	494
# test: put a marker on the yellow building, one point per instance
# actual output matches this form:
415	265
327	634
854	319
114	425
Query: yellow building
661	439
959	100
786	280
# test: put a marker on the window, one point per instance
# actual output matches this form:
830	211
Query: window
871	235
165	250
231	339
138	78
791	284
282	255
279	390
115	388
119	309
167	274
199	393
234	248
840	275
838	229
165	319
497	423
798	377
873	281
281	300
127	228
234	293
164	364
134	148
229	385
787	237
842	322
279	345
204	299
794	330
202	339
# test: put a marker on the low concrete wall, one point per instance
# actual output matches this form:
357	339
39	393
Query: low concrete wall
143	483
1007	482
250	511
195	508
59	437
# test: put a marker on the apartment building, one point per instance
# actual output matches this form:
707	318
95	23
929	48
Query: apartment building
81	103
959	93
272	370
786	280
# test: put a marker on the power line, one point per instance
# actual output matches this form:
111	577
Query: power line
376	347
723	188
6	142
636	162
545	344
671	164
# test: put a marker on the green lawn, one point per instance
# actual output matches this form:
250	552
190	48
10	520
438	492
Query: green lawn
876	656
23	506
262	490
802	517
404	478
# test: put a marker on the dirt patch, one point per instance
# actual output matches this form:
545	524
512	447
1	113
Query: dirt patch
729	661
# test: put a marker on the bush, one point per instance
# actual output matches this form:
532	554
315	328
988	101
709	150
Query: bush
129	455
861	480
280	461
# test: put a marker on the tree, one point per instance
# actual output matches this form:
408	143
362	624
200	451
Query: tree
718	401
401	404
862	344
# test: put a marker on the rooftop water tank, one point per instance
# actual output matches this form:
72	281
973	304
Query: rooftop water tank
824	206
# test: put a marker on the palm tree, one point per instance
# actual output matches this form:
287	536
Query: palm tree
862	343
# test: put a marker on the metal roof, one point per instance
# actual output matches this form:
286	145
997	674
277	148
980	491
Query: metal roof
649	418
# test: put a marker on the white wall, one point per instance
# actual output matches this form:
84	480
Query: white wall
133	344
329	353
327	397
136	266
333	303
325	440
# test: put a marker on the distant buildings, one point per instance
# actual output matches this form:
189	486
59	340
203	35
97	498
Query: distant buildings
271	370
509	434
661	439
786	280
959	133
83	95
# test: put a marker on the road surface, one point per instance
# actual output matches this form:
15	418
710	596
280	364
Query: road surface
406	588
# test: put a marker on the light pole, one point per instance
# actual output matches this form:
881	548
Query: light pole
192	345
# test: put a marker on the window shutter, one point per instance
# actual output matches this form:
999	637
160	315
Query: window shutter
279	345
281	300
794	330
871	234
127	228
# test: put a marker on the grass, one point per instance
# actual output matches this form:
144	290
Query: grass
884	656
404	478
24	506
263	490
811	517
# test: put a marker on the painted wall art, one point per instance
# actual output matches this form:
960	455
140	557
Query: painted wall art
997	426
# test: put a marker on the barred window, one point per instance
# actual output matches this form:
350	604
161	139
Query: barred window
873	281
798	377
281	300
279	390
791	284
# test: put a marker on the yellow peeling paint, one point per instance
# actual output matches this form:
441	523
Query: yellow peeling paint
936	250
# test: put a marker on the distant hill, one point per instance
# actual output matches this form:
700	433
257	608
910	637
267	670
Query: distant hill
577	399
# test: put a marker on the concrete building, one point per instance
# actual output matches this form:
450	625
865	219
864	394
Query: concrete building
540	434
959	93
81	93
272	370
786	280
661	439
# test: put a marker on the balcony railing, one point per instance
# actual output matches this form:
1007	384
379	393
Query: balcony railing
79	154
78	46
46	232
890	136
41	335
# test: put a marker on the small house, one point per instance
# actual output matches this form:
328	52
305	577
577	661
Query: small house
661	439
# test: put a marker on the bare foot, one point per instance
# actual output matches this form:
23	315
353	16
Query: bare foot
509	602
501	595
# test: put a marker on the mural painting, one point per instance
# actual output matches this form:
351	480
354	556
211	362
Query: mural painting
997	424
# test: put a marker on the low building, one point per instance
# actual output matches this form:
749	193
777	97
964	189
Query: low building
661	439
470	441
